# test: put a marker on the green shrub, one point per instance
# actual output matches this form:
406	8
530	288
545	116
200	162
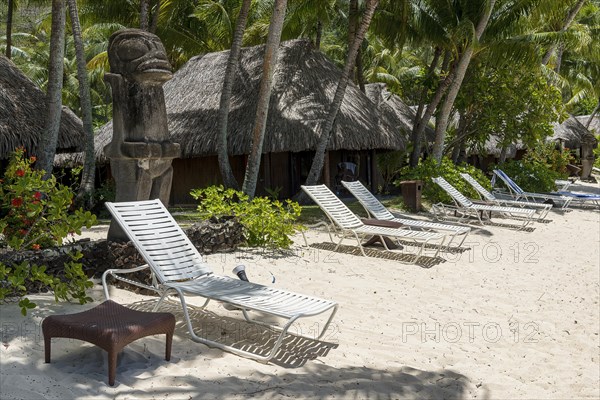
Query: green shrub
267	223
35	214
530	176
430	169
539	168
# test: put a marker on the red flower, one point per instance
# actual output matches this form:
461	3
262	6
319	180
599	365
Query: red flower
32	159
37	195
17	202
20	172
23	232
35	246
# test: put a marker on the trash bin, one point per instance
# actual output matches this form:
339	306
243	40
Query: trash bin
411	194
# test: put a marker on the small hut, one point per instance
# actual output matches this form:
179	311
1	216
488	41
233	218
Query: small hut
22	115
594	126
574	135
305	83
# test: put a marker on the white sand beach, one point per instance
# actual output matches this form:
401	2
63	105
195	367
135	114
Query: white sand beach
516	316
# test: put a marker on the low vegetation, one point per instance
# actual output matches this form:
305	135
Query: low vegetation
36	214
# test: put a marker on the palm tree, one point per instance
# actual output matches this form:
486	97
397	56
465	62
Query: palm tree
54	92
441	123
234	55
319	160
568	21
86	188
9	19
264	95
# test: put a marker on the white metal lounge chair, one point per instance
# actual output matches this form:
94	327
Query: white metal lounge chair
375	209
342	217
176	266
519	193
467	208
541	209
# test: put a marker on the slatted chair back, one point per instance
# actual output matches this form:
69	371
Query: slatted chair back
512	185
451	190
333	206
160	240
369	202
477	186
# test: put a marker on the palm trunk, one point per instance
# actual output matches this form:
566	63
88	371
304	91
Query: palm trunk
589	121
319	160
155	15
54	93
319	35
441	123
414	159
431	107
86	188
9	18
234	55
570	18
360	76
264	96
144	14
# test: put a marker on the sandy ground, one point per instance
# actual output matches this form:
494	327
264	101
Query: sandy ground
512	315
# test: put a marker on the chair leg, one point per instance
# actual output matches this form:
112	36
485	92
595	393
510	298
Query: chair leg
168	346
47	344
112	367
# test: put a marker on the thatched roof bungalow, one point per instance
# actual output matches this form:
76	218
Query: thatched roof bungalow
22	113
571	133
594	125
392	110
305	83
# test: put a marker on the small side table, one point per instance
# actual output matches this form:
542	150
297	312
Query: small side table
375	239
111	327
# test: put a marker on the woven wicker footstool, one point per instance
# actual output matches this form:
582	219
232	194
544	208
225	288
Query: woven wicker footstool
111	327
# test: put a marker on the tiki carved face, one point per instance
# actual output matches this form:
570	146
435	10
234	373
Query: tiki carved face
138	55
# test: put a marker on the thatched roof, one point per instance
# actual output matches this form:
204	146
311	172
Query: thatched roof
22	114
305	83
594	125
571	132
391	109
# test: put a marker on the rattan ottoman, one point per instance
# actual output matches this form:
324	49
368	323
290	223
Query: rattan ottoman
111	327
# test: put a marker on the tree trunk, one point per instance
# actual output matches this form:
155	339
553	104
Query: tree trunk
319	35
318	161
86	188
54	93
431	107
9	18
570	18
234	54
503	153
360	76
441	123
589	121
155	15
264	96
414	159
144	14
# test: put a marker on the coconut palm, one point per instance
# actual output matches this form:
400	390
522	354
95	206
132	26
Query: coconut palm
317	165
54	92
264	96
86	188
228	79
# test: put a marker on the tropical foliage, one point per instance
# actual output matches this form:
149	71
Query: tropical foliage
267	223
36	214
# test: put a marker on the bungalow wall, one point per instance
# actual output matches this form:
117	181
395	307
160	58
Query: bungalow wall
280	172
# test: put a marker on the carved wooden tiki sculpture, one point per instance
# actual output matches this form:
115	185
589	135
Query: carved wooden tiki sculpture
140	152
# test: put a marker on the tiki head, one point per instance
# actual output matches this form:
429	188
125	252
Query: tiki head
139	56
